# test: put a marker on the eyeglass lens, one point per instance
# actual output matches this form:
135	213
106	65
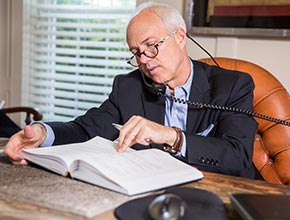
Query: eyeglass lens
150	52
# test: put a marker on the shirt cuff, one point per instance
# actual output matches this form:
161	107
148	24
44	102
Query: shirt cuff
49	139
183	148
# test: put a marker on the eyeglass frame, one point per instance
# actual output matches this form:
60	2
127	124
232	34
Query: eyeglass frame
138	54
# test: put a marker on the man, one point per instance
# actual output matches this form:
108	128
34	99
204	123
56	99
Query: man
216	141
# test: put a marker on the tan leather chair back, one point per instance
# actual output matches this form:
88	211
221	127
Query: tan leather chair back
272	142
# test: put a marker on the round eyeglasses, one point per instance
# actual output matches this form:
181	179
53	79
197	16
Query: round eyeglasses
150	52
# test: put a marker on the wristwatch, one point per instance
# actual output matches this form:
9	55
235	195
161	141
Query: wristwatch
177	144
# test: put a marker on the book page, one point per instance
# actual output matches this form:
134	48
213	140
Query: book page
136	172
58	158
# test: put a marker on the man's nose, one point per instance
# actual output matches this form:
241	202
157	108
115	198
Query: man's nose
143	58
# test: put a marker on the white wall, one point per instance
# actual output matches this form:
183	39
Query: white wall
10	51
4	51
270	53
11	54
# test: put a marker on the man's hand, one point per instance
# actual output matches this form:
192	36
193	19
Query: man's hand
139	130
30	137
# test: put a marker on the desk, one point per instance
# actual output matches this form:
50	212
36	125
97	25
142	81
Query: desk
14	206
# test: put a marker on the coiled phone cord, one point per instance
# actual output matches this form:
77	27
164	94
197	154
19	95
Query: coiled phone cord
229	109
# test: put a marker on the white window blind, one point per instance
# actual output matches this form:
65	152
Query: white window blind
72	51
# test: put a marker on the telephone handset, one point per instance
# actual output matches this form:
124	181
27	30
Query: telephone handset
159	89
155	88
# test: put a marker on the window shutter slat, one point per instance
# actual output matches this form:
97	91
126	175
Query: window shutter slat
71	53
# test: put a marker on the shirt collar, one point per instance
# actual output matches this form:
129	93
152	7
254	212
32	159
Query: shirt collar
186	86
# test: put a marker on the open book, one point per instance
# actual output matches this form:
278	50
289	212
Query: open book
97	162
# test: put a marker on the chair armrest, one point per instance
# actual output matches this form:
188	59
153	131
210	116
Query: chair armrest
37	116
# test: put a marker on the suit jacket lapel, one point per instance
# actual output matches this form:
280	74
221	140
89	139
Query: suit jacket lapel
154	107
154	110
199	92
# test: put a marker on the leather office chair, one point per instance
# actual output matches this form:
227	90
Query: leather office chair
272	142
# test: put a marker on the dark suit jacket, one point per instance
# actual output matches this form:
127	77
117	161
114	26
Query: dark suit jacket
227	149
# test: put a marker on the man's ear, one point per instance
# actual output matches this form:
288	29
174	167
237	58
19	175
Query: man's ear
181	37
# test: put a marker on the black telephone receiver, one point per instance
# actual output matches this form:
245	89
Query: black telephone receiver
159	89
155	88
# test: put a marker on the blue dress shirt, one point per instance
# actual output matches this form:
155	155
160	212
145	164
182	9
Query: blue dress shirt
176	113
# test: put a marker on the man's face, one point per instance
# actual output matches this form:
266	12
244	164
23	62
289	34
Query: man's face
146	30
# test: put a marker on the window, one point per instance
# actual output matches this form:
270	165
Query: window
72	49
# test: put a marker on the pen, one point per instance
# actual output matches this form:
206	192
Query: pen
117	126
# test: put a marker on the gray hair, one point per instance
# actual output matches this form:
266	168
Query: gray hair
171	17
